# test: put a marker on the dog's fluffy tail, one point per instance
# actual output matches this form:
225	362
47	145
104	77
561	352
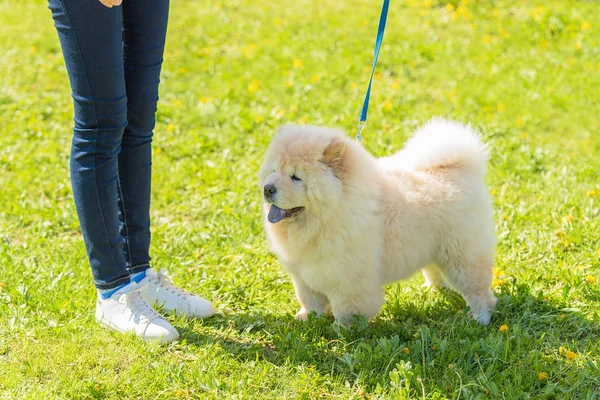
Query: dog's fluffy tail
443	144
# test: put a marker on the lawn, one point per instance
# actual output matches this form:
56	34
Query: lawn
526	73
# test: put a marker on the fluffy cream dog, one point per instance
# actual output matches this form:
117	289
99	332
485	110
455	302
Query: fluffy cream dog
344	224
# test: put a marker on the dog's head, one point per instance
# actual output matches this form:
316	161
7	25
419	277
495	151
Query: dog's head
302	173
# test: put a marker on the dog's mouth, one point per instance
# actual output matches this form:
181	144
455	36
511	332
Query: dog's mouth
277	214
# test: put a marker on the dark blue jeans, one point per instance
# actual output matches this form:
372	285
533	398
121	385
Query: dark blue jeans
113	58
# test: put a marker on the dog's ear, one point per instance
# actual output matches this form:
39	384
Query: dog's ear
334	152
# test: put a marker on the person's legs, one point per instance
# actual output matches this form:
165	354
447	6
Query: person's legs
144	33
91	39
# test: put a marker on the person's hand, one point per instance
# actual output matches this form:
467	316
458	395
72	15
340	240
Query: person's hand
111	3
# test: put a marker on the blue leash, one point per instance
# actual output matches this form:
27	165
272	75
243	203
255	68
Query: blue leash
362	120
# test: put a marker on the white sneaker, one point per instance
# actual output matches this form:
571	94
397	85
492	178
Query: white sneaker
162	292
127	311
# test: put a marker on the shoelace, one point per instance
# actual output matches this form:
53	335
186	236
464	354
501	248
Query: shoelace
164	281
138	305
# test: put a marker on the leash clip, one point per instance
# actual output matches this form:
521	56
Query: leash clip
361	125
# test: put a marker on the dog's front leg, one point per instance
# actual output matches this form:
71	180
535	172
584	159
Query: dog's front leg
366	303
309	299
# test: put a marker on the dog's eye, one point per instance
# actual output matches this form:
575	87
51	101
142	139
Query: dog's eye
296	179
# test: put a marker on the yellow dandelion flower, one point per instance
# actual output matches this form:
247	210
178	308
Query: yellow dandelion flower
497	282
487	39
520	122
586	25
449	7
577	45
494	192
259	119
204	100
501	107
316	78
591	193
157	151
354	85
249	50
395	85
570	355
543	376
465	13
568	218
590	279
32	49
406	350
297	63
387	106
288	83
503	328
428	3
598	253
538	12
181	70
97	387
253	86
277	22
506	217
523	135
498	272
303	120
170	128
178	103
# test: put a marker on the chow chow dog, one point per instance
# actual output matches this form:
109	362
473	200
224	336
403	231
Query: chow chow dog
344	223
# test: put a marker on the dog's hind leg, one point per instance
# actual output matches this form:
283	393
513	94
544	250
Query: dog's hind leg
474	284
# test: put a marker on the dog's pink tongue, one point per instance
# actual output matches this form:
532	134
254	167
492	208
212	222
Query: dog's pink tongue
276	214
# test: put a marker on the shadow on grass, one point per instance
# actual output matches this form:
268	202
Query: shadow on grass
430	334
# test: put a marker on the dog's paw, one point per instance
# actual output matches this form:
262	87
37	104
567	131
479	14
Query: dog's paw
429	287
302	315
484	317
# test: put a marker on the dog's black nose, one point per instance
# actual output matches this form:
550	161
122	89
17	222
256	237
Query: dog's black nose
270	190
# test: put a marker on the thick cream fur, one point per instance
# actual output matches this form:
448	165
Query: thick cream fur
369	222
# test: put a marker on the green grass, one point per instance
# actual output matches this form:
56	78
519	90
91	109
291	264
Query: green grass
526	73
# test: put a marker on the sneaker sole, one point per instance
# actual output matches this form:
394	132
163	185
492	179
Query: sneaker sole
163	339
